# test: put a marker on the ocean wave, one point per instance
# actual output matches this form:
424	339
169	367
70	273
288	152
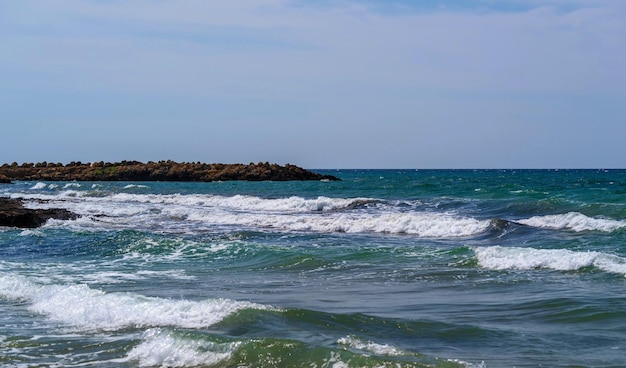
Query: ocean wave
370	346
573	221
39	186
166	349
51	186
131	186
421	224
80	306
517	258
236	202
246	202
322	214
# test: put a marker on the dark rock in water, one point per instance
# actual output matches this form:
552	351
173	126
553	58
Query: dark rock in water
499	224
14	214
157	171
4	179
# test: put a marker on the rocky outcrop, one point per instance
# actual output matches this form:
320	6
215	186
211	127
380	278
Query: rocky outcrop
157	171
14	214
4	179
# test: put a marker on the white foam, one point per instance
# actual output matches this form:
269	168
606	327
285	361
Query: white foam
130	186
516	258
190	212
423	224
38	186
71	185
83	307
31	232
468	364
242	202
573	221
369	346
236	202
164	349
335	361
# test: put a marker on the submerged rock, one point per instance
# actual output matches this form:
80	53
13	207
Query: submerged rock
157	171
14	214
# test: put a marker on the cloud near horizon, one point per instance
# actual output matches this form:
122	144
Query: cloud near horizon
319	84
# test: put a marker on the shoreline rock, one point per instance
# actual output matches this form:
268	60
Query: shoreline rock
14	214
157	171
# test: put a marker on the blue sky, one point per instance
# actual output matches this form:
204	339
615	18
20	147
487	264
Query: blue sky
320	84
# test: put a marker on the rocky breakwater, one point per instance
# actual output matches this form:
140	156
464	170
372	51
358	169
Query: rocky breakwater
14	214
156	171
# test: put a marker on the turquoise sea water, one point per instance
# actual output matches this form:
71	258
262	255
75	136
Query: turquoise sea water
386	268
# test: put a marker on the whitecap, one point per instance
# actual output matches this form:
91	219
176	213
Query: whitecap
38	186
468	364
244	202
370	346
193	212
130	186
165	349
573	221
31	232
517	258
420	224
83	307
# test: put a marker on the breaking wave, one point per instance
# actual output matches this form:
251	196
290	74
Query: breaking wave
165	349
80	306
517	258
322	214
573	221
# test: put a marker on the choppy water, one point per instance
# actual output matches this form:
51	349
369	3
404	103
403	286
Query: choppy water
387	268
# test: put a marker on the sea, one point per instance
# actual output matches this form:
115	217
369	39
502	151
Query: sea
385	268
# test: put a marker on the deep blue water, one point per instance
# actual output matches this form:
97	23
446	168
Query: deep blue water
386	268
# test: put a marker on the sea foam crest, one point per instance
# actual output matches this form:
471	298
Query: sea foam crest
242	202
39	186
370	346
131	186
322	214
574	221
81	306
236	202
517	258
421	224
165	349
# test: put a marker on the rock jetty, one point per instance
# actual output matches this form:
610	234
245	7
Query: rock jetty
14	214
156	171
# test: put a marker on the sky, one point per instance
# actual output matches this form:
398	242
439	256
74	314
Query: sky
319	83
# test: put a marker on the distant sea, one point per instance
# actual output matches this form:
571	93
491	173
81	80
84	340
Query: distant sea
386	268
